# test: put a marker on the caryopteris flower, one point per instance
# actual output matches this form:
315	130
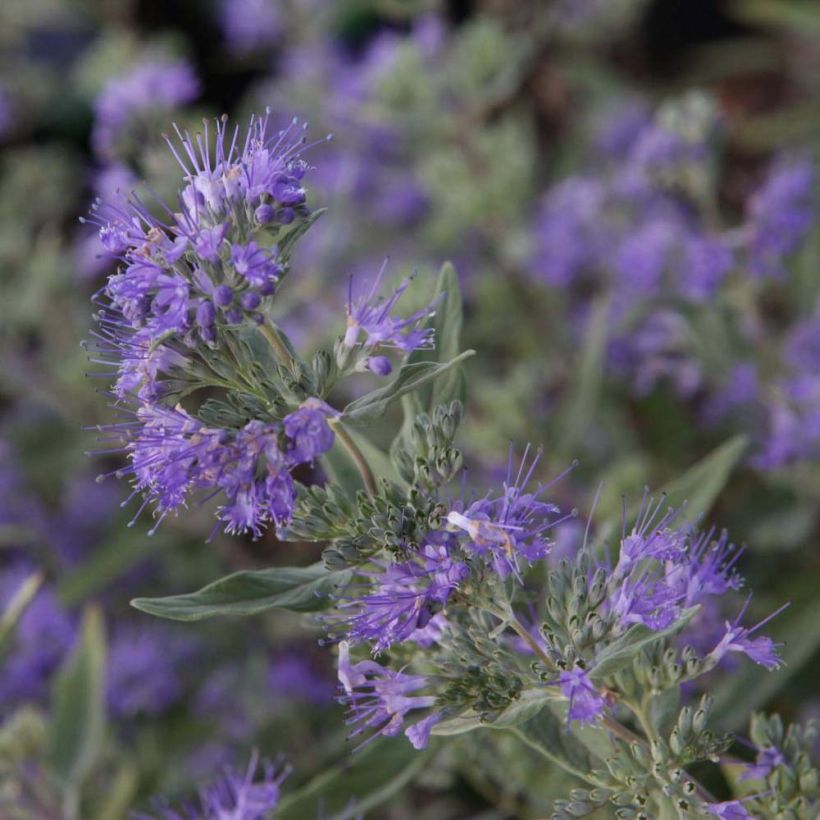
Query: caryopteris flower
371	323
585	702
512	526
380	698
761	649
236	795
402	598
173	454
213	259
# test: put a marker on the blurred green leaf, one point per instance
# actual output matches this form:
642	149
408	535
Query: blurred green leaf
577	410
361	781
801	16
697	488
16	608
298	589
701	484
78	723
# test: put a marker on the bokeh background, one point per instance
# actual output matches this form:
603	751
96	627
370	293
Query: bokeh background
627	189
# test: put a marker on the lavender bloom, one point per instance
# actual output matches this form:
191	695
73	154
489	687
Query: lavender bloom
643	255
236	795
650	538
371	316
250	25
403	598
767	760
380	698
740	389
511	526
762	650
569	231
144	670
42	638
585	702
730	810
177	277
152	85
656	352
704	264
780	215
173	454
291	677
309	434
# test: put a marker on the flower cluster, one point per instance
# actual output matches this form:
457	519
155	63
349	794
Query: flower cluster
173	454
209	264
153	86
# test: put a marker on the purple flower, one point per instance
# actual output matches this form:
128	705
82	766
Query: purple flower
379	699
173	454
308	432
169	267
42	638
780	215
144	666
768	759
236	795
256	266
511	526
650	538
150	86
739	389
643	256
570	231
762	650
371	315
402	598
250	25
705	261
657	352
292	677
730	810
585	702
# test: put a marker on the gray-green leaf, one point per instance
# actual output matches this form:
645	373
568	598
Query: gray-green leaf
78	723
298	589
409	378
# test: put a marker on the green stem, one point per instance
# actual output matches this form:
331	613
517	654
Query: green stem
357	456
558	761
279	347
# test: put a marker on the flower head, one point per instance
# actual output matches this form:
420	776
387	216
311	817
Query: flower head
511	526
205	263
402	598
585	702
173	454
371	323
762	650
309	435
379	699
780	215
144	668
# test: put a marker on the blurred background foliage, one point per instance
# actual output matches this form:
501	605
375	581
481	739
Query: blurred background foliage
455	125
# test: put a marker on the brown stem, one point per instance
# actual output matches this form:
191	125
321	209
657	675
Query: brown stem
356	455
